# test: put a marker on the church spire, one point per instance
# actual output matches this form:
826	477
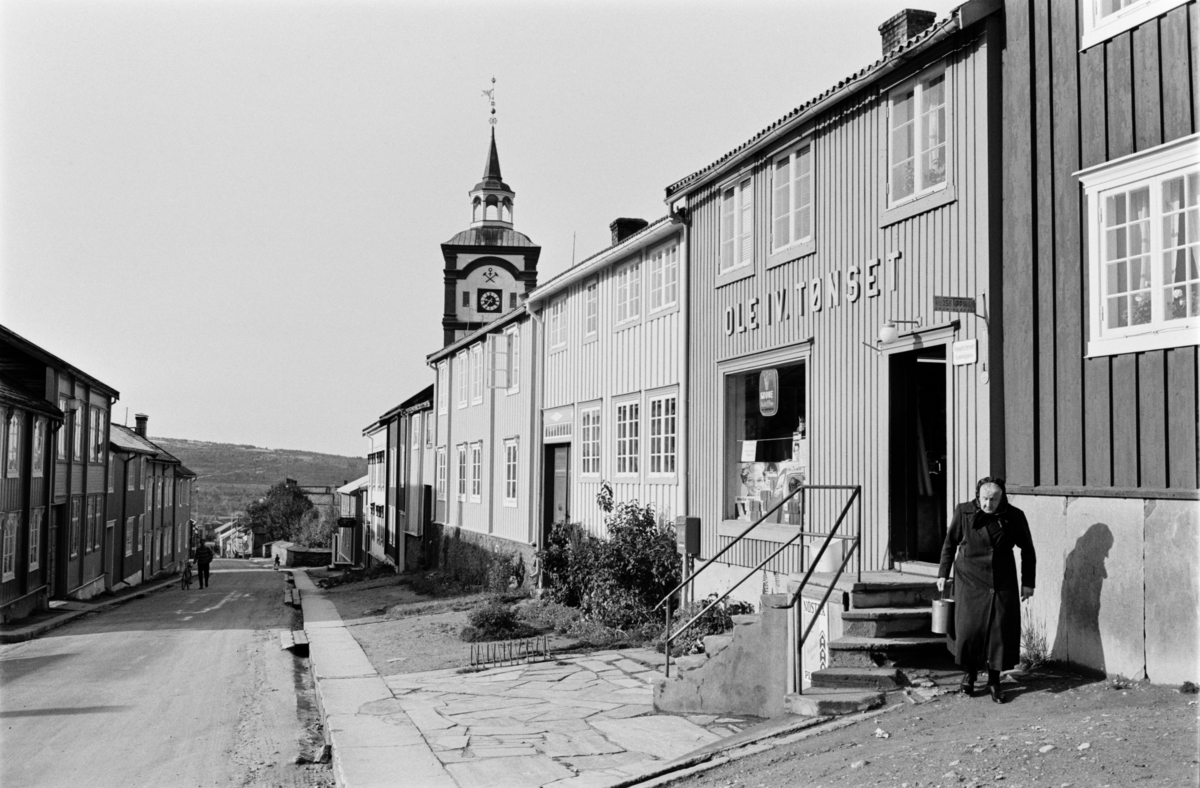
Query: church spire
492	199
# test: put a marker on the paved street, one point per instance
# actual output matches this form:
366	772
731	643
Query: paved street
180	688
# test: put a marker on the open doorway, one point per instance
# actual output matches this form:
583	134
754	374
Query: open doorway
917	453
557	488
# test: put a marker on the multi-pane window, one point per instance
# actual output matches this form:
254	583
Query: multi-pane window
414	427
35	538
441	472
96	433
627	438
737	224
917	139
8	567
513	340
510	472
663	431
138	534
429	430
12	461
1144	218
62	430
1104	19
460	372
90	524
111	471
477	374
131	469
792	198
462	472
591	309
76	514
629	293
476	472
443	393
664	277
39	447
77	432
557	328
589	429
130	522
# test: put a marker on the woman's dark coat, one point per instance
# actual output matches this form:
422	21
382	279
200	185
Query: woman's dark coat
987	596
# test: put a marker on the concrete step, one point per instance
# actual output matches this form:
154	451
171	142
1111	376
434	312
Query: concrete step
818	702
881	679
916	594
690	662
904	652
875	589
713	644
874	622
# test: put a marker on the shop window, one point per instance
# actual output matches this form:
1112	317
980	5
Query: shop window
766	441
1144	227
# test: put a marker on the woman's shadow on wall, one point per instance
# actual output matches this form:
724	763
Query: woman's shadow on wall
1077	638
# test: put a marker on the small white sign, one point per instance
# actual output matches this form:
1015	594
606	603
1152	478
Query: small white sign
749	451
965	352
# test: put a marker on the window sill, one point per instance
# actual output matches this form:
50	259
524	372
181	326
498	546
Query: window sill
791	254
918	205
735	275
663	311
624	325
590	338
1162	339
510	504
558	348
1128	21
663	479
765	532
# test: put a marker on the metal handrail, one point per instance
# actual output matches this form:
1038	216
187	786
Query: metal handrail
857	490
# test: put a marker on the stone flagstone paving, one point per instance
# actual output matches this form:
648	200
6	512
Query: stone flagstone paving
581	722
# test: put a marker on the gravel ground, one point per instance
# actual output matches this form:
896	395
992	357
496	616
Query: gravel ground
1057	731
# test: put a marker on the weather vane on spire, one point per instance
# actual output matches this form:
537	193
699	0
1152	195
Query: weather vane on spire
491	97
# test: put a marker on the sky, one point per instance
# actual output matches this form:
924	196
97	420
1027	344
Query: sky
231	212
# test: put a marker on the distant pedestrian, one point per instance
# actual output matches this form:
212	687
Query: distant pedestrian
987	597
276	561
185	579
204	557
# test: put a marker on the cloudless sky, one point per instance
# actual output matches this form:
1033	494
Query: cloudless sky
231	211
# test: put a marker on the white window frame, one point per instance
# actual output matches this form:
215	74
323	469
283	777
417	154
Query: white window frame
76	526
38	464
512	338
511	468
35	537
918	85
628	301
441	473
443	390
130	534
461	465
99	417
1148	168
61	447
460	369
736	220
627	437
477	374
429	430
663	265
8	565
663	442
12	445
591	309
414	429
1098	29
477	472
589	441
557	323
798	187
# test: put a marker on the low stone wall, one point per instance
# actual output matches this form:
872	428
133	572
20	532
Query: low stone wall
468	556
1118	586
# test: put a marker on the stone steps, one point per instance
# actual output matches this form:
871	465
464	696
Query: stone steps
903	652
819	702
882	679
887	621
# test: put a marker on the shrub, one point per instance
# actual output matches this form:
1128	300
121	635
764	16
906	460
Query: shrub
495	621
1034	650
568	562
548	614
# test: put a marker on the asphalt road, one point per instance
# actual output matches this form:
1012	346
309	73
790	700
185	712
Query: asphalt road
179	688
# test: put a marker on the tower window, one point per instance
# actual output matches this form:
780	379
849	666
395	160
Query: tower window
512	300
466	298
506	210
492	210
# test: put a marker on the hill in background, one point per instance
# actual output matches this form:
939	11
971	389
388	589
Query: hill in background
231	475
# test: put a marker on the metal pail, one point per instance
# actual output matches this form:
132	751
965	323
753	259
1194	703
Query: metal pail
943	614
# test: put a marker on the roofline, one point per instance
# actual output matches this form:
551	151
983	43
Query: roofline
959	19
46	357
422	396
649	234
488	328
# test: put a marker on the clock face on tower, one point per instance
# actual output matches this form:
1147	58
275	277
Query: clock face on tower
488	300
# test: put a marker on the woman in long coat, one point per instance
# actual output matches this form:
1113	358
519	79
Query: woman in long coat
987	603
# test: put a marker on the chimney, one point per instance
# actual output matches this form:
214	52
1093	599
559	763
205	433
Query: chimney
623	228
903	27
141	419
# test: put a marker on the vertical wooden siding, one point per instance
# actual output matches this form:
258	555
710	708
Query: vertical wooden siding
1126	421
945	252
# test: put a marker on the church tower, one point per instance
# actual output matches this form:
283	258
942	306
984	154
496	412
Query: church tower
489	266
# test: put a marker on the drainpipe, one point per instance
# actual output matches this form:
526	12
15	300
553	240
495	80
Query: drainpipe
536	373
685	365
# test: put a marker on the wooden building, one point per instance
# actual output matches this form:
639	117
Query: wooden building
348	546
378	545
610	366
843	271
1101	318
76	553
127	504
410	456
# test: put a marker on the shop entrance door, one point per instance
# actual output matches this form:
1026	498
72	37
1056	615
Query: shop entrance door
917	453
557	485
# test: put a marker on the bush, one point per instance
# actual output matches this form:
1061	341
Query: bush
495	621
568	562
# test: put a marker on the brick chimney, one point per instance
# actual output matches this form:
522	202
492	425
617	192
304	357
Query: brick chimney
141	419
623	228
906	25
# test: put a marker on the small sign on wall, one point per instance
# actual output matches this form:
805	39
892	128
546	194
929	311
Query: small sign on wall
768	392
966	352
749	451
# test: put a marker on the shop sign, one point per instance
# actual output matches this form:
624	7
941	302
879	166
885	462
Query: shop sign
768	392
966	352
816	294
953	304
815	654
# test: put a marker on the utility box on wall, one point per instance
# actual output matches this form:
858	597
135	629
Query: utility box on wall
687	532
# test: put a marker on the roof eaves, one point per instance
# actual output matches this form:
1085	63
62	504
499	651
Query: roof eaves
484	330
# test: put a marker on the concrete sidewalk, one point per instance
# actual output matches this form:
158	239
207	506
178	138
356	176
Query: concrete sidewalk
578	722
